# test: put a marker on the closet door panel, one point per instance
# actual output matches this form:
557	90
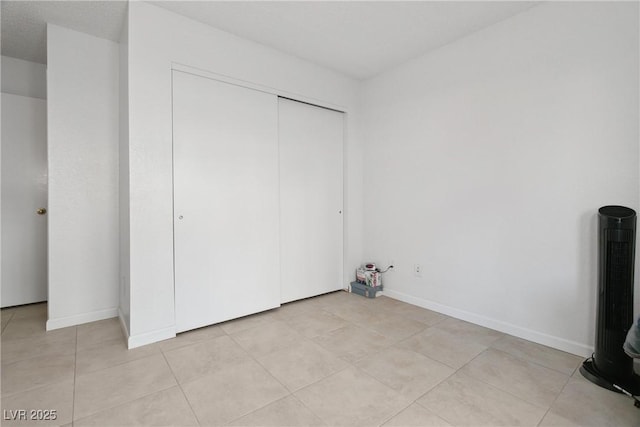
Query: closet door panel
311	199
226	225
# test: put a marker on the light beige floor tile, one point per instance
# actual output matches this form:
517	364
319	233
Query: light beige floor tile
469	331
416	416
288	411
54	400
464	401
8	309
164	408
587	404
266	339
232	393
529	381
351	397
95	333
555	420
360	315
397	328
192	337
352	343
38	310
386	303
247	322
120	384
53	343
194	361
38	367
109	353
443	347
578	375
301	364
36	372
540	354
334	299
420	314
407	372
295	308
316	323
29	327
6	314
374	304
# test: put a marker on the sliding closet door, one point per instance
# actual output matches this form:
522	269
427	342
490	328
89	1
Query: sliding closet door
225	201
311	211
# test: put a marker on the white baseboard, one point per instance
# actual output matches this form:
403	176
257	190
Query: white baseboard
151	337
123	324
498	325
79	319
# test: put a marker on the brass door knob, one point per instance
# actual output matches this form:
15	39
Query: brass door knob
41	211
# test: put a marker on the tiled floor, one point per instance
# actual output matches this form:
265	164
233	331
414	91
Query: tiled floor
336	360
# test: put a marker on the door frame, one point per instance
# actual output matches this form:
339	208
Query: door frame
175	66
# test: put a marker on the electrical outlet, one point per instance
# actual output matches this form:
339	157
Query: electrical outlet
417	270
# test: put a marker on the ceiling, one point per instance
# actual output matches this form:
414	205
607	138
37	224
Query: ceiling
24	29
360	39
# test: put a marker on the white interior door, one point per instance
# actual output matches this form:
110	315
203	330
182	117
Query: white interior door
24	191
311	199
225	201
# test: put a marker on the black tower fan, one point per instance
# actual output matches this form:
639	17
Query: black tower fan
610	366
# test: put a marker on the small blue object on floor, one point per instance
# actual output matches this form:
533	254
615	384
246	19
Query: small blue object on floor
364	290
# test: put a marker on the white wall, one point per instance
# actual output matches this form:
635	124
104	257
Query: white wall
486	162
158	38
82	89
24	78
